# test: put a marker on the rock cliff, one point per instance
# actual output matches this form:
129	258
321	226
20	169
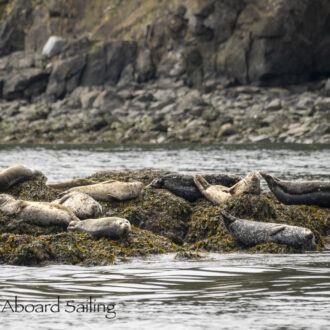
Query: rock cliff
52	48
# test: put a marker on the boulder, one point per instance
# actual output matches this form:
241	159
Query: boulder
145	68
65	75
13	26
53	46
106	62
25	83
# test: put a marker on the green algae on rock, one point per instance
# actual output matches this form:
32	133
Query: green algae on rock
80	248
161	223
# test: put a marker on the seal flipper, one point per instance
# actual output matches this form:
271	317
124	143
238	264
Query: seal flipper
201	183
113	196
227	218
277	229
109	181
63	199
72	225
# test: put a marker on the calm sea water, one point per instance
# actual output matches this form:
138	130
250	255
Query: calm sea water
234	291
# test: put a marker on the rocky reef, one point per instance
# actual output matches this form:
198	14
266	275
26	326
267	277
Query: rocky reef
162	71
161	223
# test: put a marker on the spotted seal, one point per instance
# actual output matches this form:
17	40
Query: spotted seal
250	233
111	190
301	192
82	205
112	227
183	185
219	194
71	184
38	213
17	174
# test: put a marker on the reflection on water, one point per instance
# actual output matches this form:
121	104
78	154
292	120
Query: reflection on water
67	162
233	291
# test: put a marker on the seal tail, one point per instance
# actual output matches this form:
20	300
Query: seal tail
227	218
201	183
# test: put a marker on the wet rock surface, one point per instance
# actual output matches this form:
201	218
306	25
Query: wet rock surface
163	112
161	223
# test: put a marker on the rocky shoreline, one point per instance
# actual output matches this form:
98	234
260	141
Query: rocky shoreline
164	71
165	111
161	223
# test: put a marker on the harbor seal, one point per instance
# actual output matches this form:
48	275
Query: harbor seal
214	193
183	185
17	174
111	190
304	192
250	233
38	213
71	184
82	205
112	227
219	194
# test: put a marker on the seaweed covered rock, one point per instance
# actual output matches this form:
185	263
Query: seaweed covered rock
34	190
146	176
156	210
79	248
160	223
207	230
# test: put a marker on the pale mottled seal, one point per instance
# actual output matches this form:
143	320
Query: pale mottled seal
111	190
38	213
219	194
251	233
82	205
17	174
112	227
304	192
71	184
184	186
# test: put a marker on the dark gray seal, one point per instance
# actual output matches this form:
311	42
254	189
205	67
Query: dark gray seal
184	186
301	192
17	174
250	233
